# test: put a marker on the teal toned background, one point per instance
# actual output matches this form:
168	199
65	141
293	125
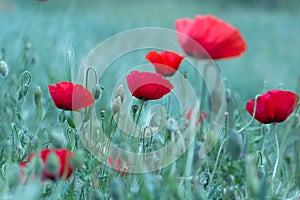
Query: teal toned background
271	29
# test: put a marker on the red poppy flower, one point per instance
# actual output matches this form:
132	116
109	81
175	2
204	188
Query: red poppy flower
189	112
166	62
273	106
117	166
218	38
64	157
147	85
70	96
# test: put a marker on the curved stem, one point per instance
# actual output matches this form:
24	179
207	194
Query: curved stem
28	74
87	75
253	115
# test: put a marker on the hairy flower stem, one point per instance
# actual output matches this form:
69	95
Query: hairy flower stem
277	156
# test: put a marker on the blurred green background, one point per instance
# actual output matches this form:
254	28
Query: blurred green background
270	27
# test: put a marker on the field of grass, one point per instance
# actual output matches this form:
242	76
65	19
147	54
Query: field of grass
48	38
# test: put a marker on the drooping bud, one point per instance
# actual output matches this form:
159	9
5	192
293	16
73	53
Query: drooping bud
120	92
172	125
116	105
234	145
97	92
22	91
3	68
38	96
58	140
261	172
52	163
77	159
294	120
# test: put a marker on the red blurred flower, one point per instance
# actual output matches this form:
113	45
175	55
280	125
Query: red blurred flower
117	166
189	112
273	106
166	62
218	38
147	85
64	159
70	96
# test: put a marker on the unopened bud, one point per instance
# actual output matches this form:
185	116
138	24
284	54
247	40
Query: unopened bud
261	172
77	160
38	96
22	92
120	92
3	68
172	125
12	174
294	120
62	116
52	163
116	105
57	139
97	195
102	113
97	91
134	109
234	145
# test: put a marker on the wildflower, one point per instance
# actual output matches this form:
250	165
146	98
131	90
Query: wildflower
166	62
70	96
55	163
3	68
218	38
117	165
273	106
189	112
147	85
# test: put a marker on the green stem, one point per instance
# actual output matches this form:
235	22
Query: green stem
277	156
140	111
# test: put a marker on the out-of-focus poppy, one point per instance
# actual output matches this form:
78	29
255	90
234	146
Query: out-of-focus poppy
117	165
218	39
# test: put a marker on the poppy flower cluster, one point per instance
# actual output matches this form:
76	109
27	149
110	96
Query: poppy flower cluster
70	96
219	39
117	165
273	106
148	85
165	62
64	168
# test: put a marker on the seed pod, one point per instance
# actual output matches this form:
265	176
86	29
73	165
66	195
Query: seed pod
116	105
97	91
234	145
38	96
52	163
22	92
3	68
120	92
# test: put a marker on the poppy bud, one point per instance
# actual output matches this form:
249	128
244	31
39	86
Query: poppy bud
37	165
52	163
12	174
97	91
3	68
57	139
261	172
116	105
77	160
234	145
62	116
23	90
294	120
38	96
120	92
172	125
97	195
102	113
134	109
